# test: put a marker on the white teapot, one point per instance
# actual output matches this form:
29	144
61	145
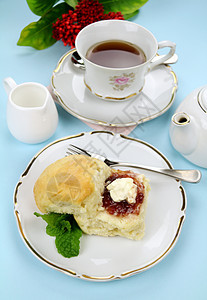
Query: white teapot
32	116
188	129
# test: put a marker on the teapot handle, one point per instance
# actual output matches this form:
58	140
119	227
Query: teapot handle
9	84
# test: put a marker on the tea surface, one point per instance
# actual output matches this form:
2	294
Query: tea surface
116	54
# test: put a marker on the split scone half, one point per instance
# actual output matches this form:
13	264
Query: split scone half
104	201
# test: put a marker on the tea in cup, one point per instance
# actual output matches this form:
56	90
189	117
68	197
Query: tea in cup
31	112
117	55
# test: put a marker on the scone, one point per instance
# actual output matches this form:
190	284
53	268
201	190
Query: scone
104	201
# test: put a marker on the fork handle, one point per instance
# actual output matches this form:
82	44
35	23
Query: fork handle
192	176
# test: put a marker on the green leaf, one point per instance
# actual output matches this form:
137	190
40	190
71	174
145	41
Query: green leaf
66	231
124	6
39	34
57	223
40	7
129	16
68	244
72	3
52	218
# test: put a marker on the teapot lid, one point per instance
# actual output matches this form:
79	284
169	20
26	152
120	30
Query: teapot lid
202	99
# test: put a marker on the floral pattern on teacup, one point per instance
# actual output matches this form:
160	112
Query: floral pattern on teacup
120	82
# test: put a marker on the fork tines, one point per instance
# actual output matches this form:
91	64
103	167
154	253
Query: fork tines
72	149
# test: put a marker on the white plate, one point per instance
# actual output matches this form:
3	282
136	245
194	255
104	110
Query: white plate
156	97
105	258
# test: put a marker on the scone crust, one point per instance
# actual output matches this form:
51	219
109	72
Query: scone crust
68	181
75	185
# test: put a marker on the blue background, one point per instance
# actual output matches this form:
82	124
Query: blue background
182	274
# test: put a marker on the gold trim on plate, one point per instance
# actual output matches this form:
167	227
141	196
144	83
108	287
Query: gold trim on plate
35	252
85	276
150	146
161	257
183	208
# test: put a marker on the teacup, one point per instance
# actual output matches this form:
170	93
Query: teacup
119	83
31	112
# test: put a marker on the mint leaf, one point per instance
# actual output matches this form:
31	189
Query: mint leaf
55	223
126	7
68	244
39	7
52	218
39	34
66	231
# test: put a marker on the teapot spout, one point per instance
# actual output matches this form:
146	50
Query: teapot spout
183	133
181	118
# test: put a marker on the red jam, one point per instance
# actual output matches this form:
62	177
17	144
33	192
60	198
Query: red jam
123	208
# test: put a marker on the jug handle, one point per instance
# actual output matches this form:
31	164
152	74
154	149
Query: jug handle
9	84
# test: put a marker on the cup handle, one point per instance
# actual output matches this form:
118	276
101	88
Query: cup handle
165	57
9	84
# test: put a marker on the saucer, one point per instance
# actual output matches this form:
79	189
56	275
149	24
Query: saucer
155	98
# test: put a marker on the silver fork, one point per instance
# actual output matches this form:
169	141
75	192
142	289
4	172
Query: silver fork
192	176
